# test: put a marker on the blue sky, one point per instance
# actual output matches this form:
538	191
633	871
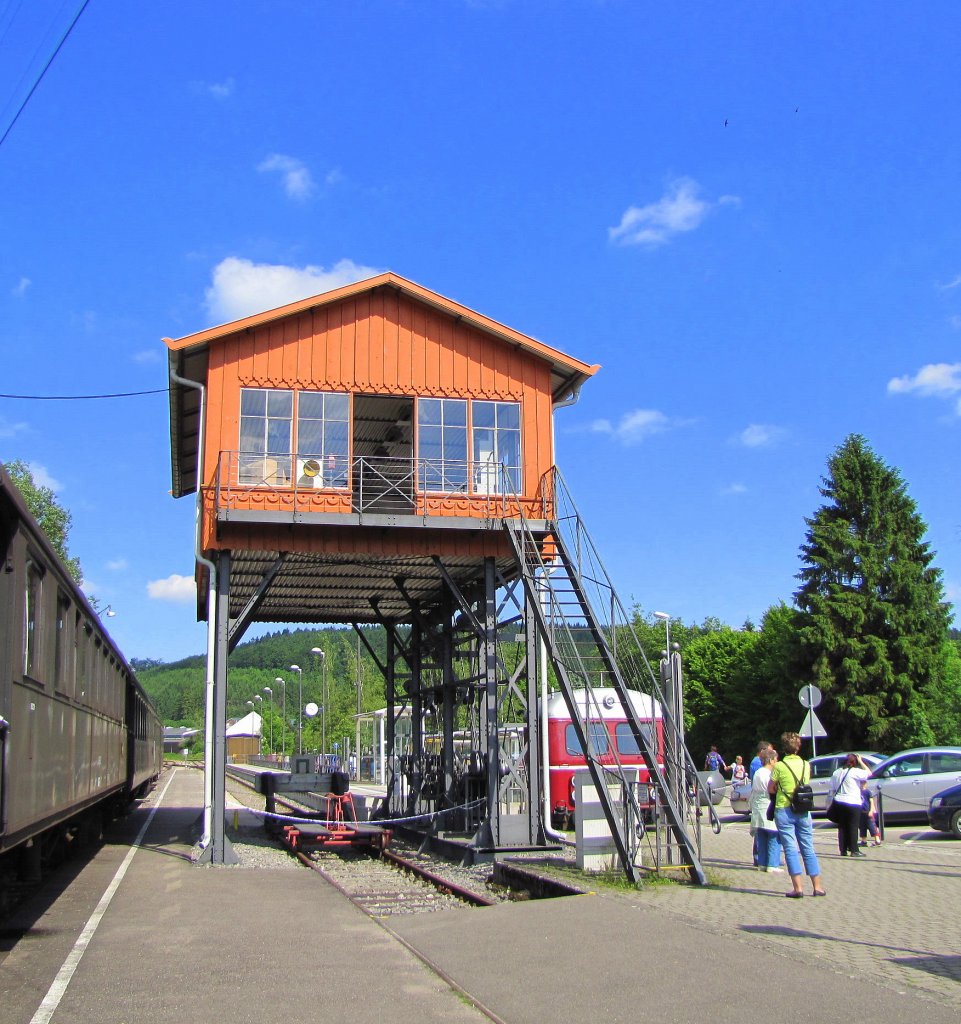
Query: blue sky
746	212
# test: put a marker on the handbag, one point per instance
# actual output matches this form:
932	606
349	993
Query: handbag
834	812
802	799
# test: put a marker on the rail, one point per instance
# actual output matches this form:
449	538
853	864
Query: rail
373	484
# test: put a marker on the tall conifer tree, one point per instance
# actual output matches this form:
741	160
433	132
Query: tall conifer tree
874	621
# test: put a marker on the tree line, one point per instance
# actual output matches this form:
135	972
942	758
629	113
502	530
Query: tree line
868	625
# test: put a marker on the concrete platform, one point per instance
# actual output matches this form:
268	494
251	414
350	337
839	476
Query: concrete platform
177	942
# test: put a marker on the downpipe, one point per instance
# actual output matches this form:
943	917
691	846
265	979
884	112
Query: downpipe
206	837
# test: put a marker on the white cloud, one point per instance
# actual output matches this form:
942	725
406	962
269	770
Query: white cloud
179	589
733	489
951	284
147	356
938	379
221	90
118	564
760	435
633	427
42	478
298	184
20	288
680	209
241	287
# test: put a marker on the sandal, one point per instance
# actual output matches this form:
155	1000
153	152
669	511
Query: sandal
794	895
819	892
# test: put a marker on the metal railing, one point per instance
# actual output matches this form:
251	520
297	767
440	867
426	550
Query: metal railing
375	484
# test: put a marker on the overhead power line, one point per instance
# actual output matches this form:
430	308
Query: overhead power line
86	398
33	88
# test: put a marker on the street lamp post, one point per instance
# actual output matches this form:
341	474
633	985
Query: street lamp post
261	699
283	715
300	707
270	693
250	704
318	651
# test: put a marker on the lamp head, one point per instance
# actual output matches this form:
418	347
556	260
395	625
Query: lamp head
661	615
294	668
279	681
318	651
267	689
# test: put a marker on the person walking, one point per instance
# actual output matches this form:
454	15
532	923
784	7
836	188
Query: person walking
847	785
738	771
767	844
714	762
794	827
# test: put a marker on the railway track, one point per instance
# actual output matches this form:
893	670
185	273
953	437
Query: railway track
396	881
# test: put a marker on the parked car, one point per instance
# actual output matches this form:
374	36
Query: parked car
907	782
825	765
944	811
822	768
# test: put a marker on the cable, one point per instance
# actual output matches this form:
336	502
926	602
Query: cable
46	67
85	398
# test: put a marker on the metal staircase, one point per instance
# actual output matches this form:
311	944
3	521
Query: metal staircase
591	643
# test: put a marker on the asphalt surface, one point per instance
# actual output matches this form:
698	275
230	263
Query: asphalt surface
180	942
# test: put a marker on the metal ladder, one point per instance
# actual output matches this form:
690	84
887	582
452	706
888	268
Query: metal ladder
592	643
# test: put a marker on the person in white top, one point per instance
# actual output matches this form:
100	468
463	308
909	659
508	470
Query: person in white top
766	840
847	784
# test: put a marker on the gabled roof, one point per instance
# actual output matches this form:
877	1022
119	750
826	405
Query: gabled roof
189	356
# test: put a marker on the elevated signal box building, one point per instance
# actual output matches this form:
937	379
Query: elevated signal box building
355	456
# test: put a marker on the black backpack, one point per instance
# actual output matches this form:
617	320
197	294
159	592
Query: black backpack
802	799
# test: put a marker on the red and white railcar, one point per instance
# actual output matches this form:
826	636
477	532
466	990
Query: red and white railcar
609	736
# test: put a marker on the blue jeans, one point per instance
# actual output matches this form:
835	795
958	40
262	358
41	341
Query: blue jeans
797	833
768	848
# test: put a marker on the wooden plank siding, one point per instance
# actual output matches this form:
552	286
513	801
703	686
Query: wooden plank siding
380	342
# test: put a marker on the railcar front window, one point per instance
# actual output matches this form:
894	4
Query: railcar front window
625	740
597	739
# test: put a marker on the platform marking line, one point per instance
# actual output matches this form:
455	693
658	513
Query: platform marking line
58	988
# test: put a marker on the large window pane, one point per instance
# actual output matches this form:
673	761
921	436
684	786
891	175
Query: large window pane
442	443
496	446
322	439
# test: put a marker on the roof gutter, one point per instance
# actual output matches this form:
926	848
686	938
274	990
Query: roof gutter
206	838
573	396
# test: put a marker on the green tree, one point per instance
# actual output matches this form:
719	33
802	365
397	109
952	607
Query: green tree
54	519
874	621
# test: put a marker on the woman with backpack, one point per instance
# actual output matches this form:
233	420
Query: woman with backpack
792	813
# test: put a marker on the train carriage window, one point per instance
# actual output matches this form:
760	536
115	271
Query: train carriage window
597	738
32	619
63	680
624	738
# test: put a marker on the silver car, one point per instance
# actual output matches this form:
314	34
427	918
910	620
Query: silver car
906	782
825	765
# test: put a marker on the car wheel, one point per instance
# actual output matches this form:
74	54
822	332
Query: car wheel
956	824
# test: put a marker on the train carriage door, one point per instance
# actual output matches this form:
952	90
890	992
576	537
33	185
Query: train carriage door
383	455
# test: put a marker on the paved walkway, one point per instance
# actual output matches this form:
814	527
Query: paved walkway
270	942
892	916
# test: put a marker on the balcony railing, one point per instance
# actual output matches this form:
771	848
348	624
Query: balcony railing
372	485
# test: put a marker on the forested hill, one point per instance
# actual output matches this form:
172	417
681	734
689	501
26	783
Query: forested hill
177	689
